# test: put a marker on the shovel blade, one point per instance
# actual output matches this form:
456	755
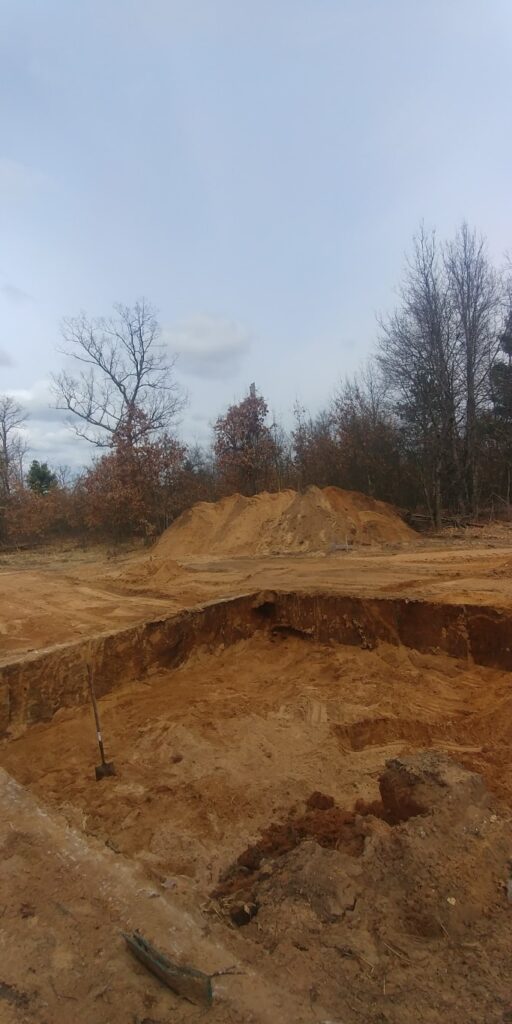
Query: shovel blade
105	769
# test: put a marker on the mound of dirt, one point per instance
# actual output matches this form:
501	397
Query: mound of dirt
286	522
393	914
150	573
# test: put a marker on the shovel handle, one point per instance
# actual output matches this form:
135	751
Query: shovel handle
96	713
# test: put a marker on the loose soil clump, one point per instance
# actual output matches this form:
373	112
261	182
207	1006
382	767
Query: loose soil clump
392	921
404	794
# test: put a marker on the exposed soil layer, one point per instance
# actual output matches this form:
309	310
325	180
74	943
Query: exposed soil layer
316	520
61	595
252	819
35	687
211	752
322	822
66	900
412	924
407	789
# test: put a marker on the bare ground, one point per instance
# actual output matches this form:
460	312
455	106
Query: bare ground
62	594
381	920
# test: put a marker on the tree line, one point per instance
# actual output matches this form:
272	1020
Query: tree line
425	425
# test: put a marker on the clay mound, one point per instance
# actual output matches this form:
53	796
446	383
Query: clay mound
153	571
286	522
397	910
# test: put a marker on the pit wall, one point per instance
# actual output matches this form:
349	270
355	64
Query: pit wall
34	687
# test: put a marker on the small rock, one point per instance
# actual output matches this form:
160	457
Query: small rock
169	883
243	913
319	801
266	871
27	910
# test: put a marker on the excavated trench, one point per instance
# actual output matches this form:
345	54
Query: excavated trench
34	687
280	766
225	719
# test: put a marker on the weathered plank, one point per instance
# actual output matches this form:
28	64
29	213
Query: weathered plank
186	981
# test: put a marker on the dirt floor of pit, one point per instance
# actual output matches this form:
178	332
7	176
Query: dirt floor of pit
235	740
60	594
208	753
66	902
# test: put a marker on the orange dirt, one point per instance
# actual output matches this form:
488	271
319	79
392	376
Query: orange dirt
286	522
63	594
232	738
269	749
244	743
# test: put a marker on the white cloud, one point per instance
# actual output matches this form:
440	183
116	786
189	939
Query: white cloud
38	402
46	431
208	346
5	359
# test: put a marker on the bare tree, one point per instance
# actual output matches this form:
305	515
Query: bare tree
315	448
123	369
418	358
477	296
65	475
367	435
12	443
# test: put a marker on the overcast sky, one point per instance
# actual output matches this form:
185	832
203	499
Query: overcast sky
255	169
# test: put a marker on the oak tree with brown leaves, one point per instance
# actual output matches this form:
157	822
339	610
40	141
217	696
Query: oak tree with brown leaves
135	488
244	447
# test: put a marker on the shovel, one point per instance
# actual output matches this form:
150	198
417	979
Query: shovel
106	767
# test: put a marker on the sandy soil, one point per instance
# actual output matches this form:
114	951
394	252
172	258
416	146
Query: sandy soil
54	596
282	523
65	904
248	820
234	738
234	741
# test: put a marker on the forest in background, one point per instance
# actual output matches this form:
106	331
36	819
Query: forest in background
426	425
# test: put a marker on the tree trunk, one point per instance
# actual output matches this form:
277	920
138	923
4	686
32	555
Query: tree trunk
438	518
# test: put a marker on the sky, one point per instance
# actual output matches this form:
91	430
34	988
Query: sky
255	168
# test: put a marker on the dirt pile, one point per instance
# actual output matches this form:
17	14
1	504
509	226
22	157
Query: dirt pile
413	914
287	522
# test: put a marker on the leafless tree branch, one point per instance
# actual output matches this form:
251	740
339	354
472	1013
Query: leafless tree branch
126	370
12	444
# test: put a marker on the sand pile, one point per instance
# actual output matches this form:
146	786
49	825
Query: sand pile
287	522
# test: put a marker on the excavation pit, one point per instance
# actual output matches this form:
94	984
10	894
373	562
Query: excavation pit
219	719
249	745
